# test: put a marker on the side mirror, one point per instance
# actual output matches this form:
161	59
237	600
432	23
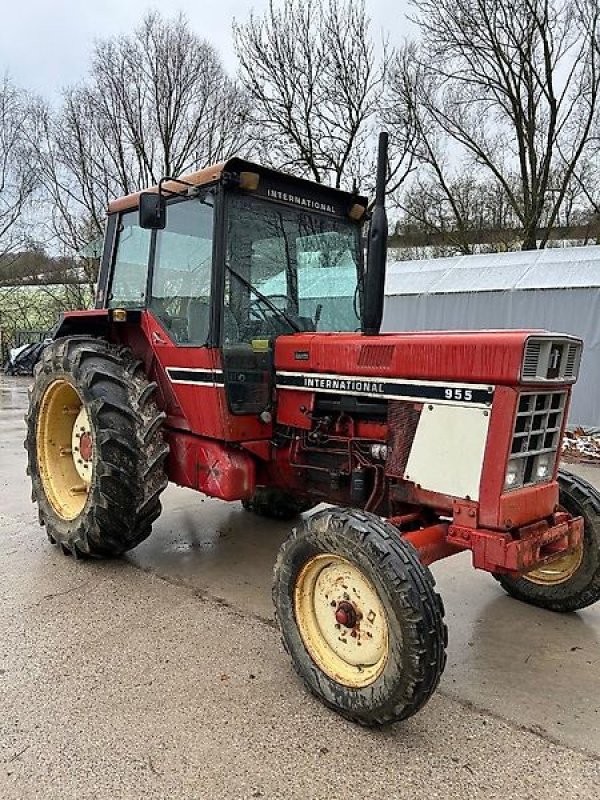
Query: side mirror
153	211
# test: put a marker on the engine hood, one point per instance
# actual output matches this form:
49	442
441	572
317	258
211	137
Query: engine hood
494	356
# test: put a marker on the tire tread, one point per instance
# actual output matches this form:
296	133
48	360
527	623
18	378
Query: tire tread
130	463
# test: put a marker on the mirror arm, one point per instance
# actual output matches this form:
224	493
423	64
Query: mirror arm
167	179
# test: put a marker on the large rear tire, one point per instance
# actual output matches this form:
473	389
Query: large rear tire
572	582
95	448
359	616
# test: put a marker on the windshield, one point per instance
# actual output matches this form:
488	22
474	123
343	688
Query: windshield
305	265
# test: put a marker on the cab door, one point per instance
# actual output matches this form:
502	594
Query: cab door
168	275
180	293
254	313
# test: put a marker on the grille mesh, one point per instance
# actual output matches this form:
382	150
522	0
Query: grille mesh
571	363
376	355
403	418
531	359
537	431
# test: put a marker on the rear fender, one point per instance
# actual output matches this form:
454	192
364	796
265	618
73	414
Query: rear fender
95	322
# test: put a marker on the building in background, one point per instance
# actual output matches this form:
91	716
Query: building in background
557	289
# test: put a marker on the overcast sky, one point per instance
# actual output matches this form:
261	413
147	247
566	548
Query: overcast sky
45	45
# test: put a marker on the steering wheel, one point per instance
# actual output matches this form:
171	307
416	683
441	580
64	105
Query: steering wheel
260	311
259	307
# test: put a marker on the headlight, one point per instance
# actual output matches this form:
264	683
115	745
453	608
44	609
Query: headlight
379	451
543	466
514	473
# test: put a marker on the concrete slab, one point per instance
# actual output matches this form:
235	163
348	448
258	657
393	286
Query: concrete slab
160	675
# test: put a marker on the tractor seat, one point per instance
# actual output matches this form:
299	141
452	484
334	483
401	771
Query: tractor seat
198	314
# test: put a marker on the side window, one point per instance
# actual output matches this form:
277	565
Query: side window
130	269
182	271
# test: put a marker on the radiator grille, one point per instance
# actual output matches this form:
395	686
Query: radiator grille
536	437
403	419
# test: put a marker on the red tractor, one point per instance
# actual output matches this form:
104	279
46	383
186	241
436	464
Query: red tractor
235	349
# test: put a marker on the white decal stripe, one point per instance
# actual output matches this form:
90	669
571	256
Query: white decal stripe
195	370
198	385
378	396
475	395
379	379
196	376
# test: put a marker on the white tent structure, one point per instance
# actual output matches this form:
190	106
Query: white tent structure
556	289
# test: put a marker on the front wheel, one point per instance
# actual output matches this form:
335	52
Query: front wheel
359	616
573	581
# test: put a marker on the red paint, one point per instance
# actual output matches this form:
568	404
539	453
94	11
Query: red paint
346	614
86	447
227	456
85	316
262	449
479	357
497	451
210	467
523	550
432	543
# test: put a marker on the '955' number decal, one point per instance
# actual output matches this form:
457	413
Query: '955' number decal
458	394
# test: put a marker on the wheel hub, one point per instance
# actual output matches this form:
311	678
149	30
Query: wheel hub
82	446
346	614
342	620
85	446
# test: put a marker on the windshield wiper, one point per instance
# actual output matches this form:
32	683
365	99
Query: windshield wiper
277	311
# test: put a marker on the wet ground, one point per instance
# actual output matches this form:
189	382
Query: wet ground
161	675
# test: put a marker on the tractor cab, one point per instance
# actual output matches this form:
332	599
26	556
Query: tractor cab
228	259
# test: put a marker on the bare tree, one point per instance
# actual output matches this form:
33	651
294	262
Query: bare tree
431	201
158	102
507	87
18	178
314	78
459	208
586	182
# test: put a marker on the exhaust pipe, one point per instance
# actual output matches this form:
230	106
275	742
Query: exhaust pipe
374	282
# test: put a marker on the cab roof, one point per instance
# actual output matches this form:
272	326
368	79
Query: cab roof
199	178
214	173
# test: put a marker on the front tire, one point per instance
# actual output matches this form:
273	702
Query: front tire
359	616
95	448
572	582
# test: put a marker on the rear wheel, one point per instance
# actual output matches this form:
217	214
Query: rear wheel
359	616
95	448
573	581
275	504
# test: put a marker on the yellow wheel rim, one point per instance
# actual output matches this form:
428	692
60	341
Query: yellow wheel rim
557	571
64	449
341	620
